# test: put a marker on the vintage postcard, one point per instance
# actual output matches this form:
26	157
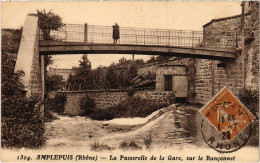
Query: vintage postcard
139	81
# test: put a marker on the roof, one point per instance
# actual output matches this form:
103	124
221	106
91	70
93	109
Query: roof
137	79
145	83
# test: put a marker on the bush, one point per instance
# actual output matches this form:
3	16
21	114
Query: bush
87	105
250	98
56	104
132	107
22	123
100	147
129	146
130	91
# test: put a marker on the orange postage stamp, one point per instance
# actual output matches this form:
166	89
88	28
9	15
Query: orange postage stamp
227	114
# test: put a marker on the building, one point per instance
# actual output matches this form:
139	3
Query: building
65	73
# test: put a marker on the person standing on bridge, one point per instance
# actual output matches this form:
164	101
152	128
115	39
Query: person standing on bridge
115	33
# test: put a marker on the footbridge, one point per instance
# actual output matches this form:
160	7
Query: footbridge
79	39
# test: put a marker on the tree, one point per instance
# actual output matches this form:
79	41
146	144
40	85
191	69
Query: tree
10	81
115	76
54	82
11	40
111	79
83	78
49	21
22	125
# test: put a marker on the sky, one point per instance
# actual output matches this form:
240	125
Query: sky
159	14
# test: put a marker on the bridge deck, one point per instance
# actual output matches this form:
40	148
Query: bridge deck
59	47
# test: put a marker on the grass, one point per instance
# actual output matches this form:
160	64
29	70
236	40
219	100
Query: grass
100	147
129	146
148	140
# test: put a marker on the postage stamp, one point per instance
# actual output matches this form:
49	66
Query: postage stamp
229	117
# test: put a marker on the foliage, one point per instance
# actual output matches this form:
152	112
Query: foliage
49	21
54	82
130	91
100	147
48	116
148	140
87	105
58	103
160	58
115	76
250	98
47	61
22	124
132	107
11	40
129	145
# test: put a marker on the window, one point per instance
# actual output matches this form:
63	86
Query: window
168	82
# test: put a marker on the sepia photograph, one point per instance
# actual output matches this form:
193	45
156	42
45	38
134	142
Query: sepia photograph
139	81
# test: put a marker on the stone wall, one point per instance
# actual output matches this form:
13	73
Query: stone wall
239	74
162	98
106	99
251	46
223	32
103	99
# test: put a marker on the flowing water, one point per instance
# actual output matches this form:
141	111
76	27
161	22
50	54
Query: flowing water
178	127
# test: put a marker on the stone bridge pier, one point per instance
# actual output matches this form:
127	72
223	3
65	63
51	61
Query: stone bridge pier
29	60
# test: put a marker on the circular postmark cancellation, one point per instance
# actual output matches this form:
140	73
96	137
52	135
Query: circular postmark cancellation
226	126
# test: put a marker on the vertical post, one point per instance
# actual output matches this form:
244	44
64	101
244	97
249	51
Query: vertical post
144	36
43	82
157	37
66	34
192	38
133	57
169	42
135	37
86	32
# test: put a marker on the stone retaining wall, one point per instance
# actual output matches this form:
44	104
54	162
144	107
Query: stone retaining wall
106	99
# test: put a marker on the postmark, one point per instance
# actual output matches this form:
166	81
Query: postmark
227	122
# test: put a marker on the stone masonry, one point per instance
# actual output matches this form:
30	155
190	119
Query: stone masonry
108	98
239	74
28	59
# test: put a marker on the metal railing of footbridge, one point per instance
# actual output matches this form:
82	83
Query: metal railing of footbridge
137	36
